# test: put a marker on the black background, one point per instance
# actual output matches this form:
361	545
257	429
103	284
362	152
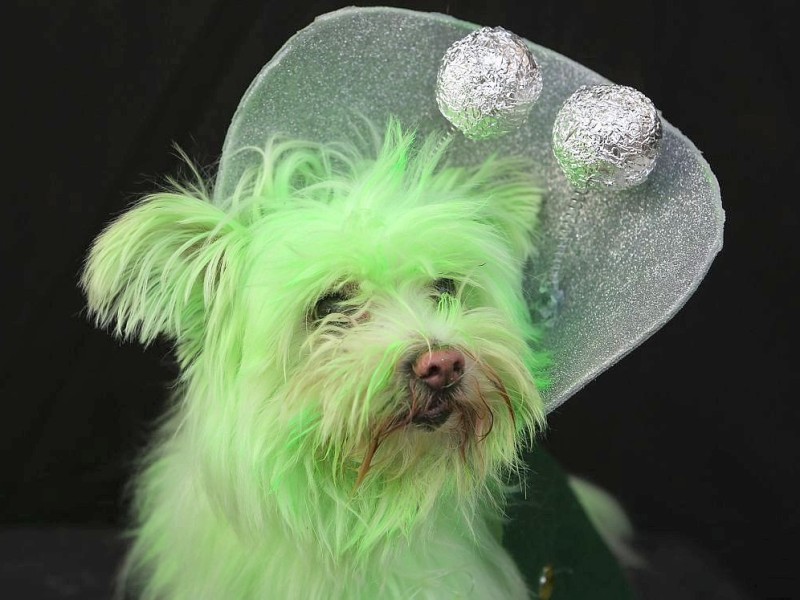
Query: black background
695	431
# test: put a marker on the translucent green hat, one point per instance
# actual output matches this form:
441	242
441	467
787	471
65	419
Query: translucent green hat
633	257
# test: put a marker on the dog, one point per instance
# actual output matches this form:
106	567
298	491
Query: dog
358	373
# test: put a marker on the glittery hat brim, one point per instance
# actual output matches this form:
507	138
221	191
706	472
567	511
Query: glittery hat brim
633	258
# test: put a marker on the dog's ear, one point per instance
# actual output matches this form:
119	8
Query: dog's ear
156	269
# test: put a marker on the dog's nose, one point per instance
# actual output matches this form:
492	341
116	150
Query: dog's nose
440	368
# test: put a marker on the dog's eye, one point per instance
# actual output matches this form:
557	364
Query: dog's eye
445	285
334	302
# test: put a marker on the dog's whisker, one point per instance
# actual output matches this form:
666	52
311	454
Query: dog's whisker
468	425
383	432
367	463
397	425
489	413
414	402
453	383
497	383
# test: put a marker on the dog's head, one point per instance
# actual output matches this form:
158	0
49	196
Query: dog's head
354	342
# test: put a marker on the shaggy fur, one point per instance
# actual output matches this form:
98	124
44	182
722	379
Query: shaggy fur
292	463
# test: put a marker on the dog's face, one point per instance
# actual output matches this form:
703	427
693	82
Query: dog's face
399	339
353	335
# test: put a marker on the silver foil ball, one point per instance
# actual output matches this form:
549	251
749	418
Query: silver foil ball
487	83
607	136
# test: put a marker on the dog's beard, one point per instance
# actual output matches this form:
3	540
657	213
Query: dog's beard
458	417
377	423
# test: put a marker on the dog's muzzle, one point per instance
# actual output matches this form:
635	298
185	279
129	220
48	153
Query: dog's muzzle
437	374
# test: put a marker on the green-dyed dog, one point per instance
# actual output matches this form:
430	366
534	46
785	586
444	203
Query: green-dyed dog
358	374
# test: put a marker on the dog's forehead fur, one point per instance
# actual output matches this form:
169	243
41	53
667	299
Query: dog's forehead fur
397	217
379	248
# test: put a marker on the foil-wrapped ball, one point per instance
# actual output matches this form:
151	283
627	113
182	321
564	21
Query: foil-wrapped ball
607	136
487	83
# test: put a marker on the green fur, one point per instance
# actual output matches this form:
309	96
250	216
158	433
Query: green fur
252	488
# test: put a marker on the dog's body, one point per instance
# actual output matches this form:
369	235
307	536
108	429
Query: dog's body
357	375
